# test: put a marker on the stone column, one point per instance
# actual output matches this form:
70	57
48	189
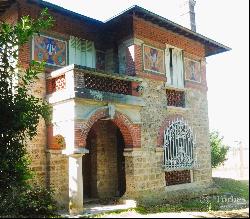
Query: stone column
75	179
131	155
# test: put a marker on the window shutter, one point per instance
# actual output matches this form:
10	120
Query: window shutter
78	51
179	73
72	48
90	54
175	67
167	63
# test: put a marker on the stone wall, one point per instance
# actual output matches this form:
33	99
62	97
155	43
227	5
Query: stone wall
106	146
100	170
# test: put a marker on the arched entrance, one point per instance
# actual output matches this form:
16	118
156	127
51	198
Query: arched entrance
104	166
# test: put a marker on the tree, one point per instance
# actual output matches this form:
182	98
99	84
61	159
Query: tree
218	149
20	111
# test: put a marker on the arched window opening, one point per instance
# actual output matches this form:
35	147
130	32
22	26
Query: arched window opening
179	144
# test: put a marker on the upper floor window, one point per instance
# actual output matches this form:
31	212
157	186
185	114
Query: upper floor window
174	67
82	52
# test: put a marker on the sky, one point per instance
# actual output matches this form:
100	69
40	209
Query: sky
225	21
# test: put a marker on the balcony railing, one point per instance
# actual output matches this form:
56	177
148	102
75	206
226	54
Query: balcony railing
107	84
83	82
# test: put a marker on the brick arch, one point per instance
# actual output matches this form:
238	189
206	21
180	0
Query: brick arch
165	124
131	132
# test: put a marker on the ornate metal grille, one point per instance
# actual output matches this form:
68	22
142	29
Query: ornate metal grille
176	98
179	144
107	84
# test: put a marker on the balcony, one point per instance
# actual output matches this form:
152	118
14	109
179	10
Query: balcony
81	82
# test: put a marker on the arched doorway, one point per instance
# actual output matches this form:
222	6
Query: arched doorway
104	166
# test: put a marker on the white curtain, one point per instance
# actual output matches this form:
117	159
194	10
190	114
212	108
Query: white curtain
178	68
167	64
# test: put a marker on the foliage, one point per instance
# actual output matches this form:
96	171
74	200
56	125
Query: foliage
29	201
218	149
37	202
20	111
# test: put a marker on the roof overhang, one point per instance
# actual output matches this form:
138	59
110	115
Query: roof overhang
4	5
211	47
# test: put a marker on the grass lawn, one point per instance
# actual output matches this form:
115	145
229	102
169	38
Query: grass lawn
233	194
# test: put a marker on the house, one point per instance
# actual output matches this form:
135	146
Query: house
129	100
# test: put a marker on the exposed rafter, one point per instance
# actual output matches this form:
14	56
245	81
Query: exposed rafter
4	5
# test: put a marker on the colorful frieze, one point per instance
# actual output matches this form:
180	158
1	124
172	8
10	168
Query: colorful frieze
52	51
153	59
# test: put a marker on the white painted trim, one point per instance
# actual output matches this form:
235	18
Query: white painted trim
177	108
173	47
168	87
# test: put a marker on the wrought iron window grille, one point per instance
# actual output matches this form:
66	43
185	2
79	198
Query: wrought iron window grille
179	147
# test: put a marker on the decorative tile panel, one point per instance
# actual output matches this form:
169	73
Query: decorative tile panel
153	59
192	70
52	51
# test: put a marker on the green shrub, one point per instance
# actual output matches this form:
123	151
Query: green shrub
37	201
20	113
218	149
34	201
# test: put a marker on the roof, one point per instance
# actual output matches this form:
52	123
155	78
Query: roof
57	8
211	47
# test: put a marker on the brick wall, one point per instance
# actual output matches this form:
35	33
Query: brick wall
11	15
158	37
64	26
147	31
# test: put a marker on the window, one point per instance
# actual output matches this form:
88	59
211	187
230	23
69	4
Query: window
81	52
174	67
179	146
